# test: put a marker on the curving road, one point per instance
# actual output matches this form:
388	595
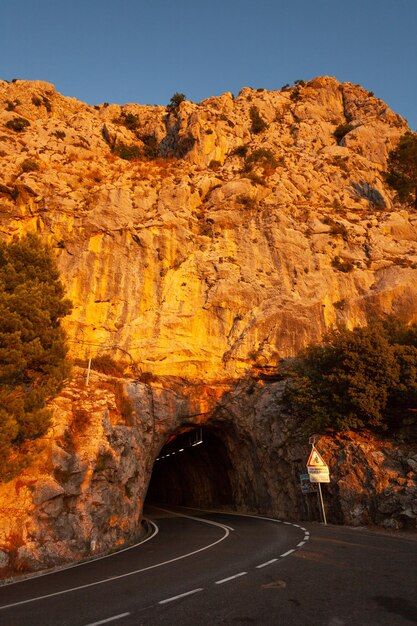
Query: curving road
204	569
191	553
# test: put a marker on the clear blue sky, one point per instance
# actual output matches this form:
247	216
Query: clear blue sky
146	50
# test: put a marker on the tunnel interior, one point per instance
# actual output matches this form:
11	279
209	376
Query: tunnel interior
194	469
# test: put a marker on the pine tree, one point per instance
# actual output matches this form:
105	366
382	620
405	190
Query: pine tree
32	343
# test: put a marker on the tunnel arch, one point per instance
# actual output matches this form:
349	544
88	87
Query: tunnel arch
194	468
249	460
227	469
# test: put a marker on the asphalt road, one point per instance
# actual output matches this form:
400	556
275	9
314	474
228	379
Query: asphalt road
214	568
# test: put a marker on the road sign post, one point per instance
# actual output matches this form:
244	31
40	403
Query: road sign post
318	472
323	510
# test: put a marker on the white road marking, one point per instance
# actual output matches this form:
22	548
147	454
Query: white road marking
287	553
109	619
87	561
226	580
265	564
181	595
132	573
197	519
302	528
300	544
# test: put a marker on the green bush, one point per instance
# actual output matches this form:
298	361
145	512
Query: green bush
402	169
43	100
59	134
129	120
32	342
127	152
29	165
18	124
258	124
263	157
361	378
295	94
176	100
151	146
11	105
240	151
47	103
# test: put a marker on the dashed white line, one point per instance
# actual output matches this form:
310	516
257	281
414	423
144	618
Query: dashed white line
109	619
226	580
302	543
267	563
287	553
181	595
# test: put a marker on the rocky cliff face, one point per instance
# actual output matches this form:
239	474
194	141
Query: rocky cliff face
241	232
203	262
83	491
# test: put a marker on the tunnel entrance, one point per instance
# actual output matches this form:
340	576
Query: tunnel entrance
193	469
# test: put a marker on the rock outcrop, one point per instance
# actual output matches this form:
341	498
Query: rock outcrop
200	244
83	491
233	247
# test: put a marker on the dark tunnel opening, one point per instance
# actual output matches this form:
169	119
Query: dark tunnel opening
193	469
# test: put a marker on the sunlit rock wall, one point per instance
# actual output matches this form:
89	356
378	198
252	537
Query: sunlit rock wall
201	262
230	250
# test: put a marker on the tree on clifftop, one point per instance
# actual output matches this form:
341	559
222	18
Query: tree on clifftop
32	342
402	169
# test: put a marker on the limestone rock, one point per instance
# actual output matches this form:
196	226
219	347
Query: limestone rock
191	262
215	254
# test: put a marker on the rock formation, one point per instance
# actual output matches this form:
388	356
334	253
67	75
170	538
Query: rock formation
200	244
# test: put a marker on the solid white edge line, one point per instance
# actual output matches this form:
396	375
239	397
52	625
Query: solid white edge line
287	553
181	595
197	519
109	619
226	580
63	568
237	514
267	563
138	571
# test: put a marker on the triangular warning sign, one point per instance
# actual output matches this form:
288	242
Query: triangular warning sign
315	460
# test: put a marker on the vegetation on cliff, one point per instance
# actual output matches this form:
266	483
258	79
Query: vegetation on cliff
32	342
354	379
402	169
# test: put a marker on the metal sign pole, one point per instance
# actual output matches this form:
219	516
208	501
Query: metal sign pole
322	505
